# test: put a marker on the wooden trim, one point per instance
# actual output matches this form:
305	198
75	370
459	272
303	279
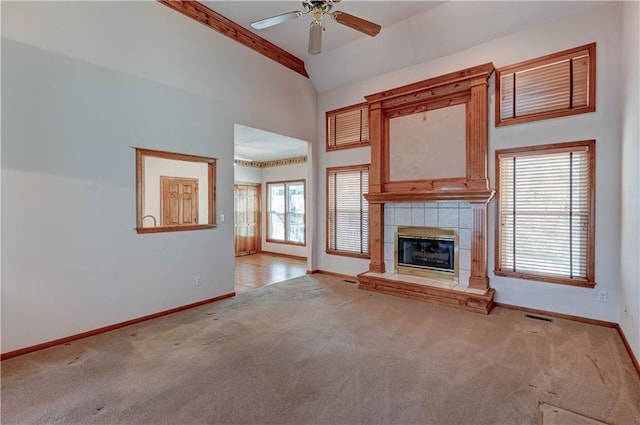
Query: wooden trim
558	315
347	253
547	59
478	278
477	135
163	229
484	71
338	275
284	242
109	328
206	16
634	360
211	188
545	278
590	145
434	103
590	49
550	147
141	153
173	155
427	196
468	301
278	254
139	188
346	109
286	213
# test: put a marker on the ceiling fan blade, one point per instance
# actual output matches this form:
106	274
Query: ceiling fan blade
315	38
356	23
275	20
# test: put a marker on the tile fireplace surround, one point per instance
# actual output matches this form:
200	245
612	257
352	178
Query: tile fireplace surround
447	215
458	202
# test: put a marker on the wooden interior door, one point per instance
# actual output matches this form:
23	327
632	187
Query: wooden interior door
247	218
179	201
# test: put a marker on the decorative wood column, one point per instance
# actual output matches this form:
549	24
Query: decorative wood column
377	175
478	278
478	133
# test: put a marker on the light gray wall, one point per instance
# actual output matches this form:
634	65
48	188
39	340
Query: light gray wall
630	240
601	24
82	83
247	174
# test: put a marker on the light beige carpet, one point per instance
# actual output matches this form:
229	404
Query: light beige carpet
318	350
553	415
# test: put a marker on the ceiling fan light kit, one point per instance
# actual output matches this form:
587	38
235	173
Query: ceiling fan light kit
318	9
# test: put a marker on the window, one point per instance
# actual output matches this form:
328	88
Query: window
286	212
547	87
348	127
348	211
174	191
546	213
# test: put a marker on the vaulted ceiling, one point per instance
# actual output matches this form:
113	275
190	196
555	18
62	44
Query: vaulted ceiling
412	32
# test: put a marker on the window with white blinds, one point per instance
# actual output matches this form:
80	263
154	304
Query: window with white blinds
551	86
286	212
348	127
545	213
348	211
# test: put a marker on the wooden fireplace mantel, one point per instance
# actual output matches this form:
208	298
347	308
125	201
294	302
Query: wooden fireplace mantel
429	196
468	87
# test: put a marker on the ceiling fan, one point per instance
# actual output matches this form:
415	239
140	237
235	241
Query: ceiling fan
318	9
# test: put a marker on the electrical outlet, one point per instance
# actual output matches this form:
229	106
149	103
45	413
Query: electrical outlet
198	280
602	296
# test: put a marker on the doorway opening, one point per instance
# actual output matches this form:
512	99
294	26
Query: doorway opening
263	162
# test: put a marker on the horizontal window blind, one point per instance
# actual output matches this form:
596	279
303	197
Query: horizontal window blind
348	127
550	85
348	210
544	211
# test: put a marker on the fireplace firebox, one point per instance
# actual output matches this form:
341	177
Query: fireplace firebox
428	252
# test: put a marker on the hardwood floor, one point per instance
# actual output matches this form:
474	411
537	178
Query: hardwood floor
254	271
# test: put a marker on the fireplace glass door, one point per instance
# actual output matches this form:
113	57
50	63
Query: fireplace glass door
426	252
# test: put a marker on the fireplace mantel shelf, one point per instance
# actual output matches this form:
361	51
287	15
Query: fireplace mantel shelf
483	195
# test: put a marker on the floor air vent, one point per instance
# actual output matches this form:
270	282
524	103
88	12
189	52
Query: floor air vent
544	319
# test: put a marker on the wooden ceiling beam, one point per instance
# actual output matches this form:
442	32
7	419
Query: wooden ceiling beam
201	13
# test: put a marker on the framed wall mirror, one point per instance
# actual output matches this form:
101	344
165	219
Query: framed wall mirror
174	192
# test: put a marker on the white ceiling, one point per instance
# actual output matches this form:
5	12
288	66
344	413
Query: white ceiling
252	144
413	32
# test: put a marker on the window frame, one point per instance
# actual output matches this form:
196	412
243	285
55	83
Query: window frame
141	154
589	281
336	112
541	61
329	250
286	212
